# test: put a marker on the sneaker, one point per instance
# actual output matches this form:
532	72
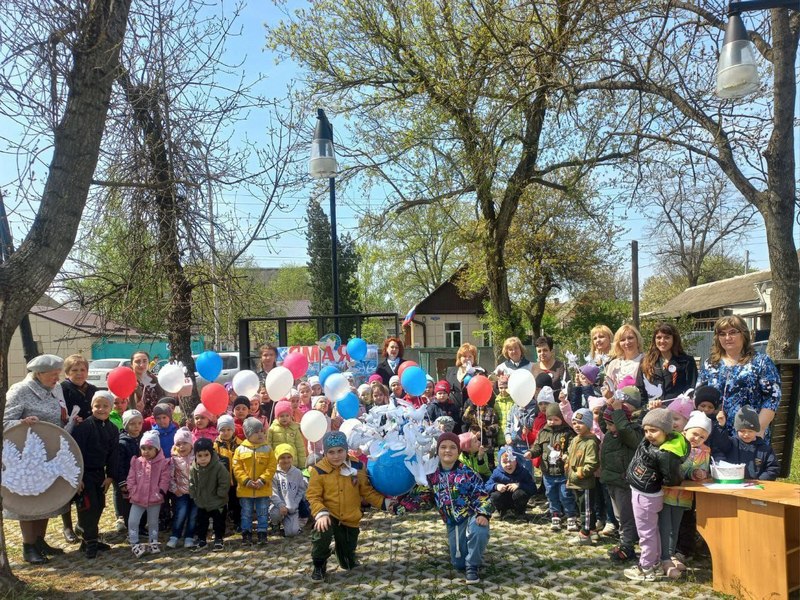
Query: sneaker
679	563
595	537
318	574
555	524
621	554
155	548
581	540
262	538
139	550
189	543
172	542
609	529
218	546
247	538
600	524
200	546
670	570
572	524
119	525
638	573
471	576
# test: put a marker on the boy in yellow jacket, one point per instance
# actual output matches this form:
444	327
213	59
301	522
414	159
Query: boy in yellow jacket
254	464
335	492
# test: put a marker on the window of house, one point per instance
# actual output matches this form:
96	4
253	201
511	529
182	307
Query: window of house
452	334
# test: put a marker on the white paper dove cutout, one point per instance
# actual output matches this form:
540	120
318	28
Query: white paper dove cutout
29	473
653	391
572	359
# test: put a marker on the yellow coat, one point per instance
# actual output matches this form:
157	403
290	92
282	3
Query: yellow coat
277	434
227	450
338	495
252	462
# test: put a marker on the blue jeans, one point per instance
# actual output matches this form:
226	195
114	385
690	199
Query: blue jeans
185	515
562	501
467	544
261	508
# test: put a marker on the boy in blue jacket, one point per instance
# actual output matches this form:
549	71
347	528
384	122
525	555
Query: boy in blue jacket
747	448
510	485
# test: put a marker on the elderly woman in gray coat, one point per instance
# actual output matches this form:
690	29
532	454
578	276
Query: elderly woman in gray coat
29	401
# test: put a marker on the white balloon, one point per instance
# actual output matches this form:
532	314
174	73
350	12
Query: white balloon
521	386
347	427
336	387
313	425
279	383
170	378
246	383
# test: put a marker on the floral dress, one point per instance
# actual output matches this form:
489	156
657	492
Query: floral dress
756	383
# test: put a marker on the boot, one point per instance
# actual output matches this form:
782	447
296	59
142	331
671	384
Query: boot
262	538
247	538
69	535
31	555
45	548
318	574
91	549
101	546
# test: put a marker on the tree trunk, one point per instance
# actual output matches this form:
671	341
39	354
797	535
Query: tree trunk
505	323
76	147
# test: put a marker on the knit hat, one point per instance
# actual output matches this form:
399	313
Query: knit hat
445	436
294	393
608	412
334	439
201	411
375	377
590	371
130	415
162	409
585	416
465	441
746	418
104	394
314	380
442	386
283	407
707	393
596	402
682	405
544	380
660	418
364	388
393	379
631	395
183	435
282	449
698	418
242	401
225	421
252	425
553	410
545	395
150	438
445	422
204	445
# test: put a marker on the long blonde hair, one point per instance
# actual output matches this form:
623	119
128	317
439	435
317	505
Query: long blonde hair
717	352
620	332
608	333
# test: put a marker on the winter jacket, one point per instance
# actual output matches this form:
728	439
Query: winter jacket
757	455
278	434
225	450
128	449
181	466
551	445
480	466
438	409
288	488
579	395
655	466
459	494
209	433
166	436
148	480
583	460
617	449
338	491
74	396
521	475
694	468
503	403
116	419
254	462
209	485
99	444
521	418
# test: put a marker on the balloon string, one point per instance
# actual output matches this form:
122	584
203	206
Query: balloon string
480	423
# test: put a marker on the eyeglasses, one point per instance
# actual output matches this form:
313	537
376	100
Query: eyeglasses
729	333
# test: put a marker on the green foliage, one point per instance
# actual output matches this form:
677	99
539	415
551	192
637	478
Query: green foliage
302	334
373	331
586	312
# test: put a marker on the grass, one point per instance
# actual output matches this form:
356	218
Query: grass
794	473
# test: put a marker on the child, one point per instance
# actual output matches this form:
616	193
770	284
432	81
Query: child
241	410
680	407
510	486
473	455
616	452
676	500
396	388
164	427
147	483
284	431
656	463
204	421
288	491
482	422
185	511
429	392
98	439
503	403
315	449
586	378
464	506
254	466
120	405
708	400
128	449
445	423
336	504
583	459
365	395
442	405
225	446
209	482
316	386
304	397
745	447
519	432
551	444
259	405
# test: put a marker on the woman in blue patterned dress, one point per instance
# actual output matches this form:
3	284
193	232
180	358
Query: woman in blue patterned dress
742	376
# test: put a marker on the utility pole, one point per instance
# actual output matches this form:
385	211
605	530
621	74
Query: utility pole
746	262
635	281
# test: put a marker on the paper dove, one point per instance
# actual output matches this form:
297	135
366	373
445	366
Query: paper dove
653	391
29	473
572	359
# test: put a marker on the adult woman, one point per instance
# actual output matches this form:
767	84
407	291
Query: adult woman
267	360
601	351
547	362
392	359
742	376
627	349
29	401
466	364
667	365
514	353
147	392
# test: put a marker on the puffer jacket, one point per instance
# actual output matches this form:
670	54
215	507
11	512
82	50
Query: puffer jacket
181	466
277	434
459	493
251	462
520	475
551	445
208	486
148	480
617	449
225	450
338	491
758	455
655	466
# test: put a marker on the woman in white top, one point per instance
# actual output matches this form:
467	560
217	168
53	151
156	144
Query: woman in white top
628	345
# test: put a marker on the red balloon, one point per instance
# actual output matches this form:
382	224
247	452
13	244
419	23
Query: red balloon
297	363
404	365
214	397
480	390
122	381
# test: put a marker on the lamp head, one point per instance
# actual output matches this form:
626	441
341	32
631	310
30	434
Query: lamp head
737	74
323	160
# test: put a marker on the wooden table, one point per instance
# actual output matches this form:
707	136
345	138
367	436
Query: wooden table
754	538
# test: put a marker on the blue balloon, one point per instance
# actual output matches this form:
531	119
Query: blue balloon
357	349
347	407
414	381
389	474
325	371
209	365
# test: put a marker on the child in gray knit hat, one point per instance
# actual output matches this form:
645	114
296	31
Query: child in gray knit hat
254	465
746	447
583	459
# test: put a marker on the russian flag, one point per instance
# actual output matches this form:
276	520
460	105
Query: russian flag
409	316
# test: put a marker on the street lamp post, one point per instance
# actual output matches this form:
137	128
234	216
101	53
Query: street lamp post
737	74
322	165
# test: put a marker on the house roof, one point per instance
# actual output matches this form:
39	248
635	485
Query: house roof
447	299
717	294
83	321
